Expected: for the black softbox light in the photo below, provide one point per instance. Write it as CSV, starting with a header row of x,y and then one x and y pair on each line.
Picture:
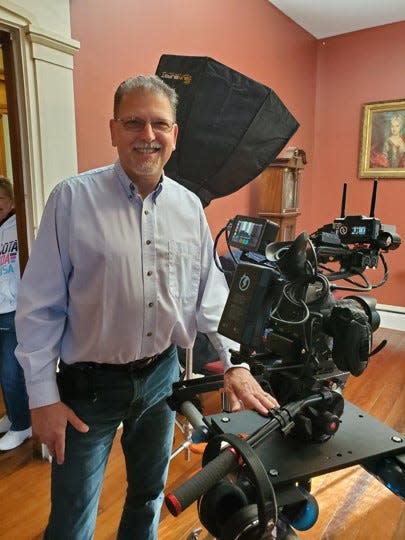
x,y
231,127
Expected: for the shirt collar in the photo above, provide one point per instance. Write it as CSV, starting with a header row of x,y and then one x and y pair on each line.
x,y
130,188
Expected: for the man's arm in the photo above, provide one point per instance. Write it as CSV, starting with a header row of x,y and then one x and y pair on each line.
x,y
42,304
40,320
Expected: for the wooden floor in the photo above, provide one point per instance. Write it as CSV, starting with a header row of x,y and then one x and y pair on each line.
x,y
353,505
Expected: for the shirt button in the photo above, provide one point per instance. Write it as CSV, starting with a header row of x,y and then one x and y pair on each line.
x,y
149,273
146,212
149,334
150,304
148,242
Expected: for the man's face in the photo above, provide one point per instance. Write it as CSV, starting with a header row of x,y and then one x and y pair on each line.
x,y
144,151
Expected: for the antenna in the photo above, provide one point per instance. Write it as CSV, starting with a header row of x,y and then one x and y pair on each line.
x,y
343,207
373,197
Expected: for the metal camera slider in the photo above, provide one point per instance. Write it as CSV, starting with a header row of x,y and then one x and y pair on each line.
x,y
360,440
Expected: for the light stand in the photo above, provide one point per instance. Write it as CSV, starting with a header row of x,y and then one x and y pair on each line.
x,y
186,427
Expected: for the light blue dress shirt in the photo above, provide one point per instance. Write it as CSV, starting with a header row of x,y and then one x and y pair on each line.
x,y
114,278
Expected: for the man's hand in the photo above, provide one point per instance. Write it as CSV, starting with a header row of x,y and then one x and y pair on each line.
x,y
243,391
49,423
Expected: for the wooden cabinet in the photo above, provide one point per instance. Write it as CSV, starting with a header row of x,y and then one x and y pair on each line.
x,y
279,192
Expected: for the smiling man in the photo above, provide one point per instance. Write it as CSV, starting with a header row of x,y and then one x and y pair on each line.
x,y
121,272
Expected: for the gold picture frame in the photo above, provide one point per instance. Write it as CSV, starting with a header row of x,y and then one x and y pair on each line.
x,y
382,152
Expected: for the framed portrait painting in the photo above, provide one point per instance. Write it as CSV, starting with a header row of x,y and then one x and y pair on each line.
x,y
382,152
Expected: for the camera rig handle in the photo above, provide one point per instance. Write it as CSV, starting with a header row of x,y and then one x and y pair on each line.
x,y
182,497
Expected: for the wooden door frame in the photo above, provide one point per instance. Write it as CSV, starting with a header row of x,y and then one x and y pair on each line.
x,y
16,147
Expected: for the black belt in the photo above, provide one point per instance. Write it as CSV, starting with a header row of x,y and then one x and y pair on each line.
x,y
129,367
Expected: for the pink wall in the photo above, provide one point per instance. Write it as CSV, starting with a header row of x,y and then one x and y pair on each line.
x,y
323,83
354,69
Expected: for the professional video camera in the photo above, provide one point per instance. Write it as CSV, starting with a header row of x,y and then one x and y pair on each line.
x,y
292,329
301,341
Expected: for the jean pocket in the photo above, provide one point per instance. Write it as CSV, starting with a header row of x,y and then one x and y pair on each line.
x,y
184,270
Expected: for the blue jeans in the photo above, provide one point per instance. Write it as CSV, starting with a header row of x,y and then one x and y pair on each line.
x,y
12,376
104,399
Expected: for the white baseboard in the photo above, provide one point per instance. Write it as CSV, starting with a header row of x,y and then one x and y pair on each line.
x,y
392,317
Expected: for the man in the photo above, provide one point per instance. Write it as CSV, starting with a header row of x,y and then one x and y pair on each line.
x,y
121,271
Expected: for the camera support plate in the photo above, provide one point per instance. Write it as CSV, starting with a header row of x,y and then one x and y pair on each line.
x,y
361,438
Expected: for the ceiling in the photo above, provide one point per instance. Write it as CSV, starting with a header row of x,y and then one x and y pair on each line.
x,y
326,18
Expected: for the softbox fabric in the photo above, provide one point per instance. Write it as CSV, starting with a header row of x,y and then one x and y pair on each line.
x,y
230,126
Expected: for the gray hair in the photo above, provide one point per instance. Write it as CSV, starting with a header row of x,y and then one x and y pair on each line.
x,y
149,83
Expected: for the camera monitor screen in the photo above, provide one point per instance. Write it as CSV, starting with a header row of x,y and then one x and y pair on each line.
x,y
246,233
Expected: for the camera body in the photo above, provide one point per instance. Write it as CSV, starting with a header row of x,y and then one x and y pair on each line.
x,y
301,340
296,333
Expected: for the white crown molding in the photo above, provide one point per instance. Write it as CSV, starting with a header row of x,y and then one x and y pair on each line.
x,y
53,41
15,15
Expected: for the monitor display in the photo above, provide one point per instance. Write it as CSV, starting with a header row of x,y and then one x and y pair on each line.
x,y
246,234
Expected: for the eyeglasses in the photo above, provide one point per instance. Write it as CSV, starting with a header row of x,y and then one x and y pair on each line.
x,y
136,124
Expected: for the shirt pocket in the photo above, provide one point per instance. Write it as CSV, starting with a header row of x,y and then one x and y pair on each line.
x,y
184,270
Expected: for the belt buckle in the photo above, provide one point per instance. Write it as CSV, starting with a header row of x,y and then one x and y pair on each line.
x,y
139,365
151,360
